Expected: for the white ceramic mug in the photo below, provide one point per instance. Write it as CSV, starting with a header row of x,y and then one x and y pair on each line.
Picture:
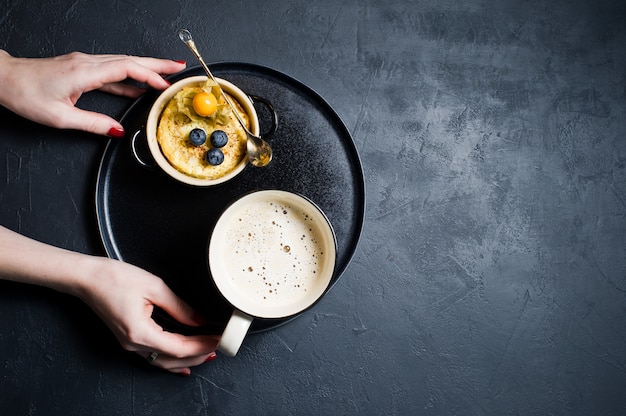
x,y
271,255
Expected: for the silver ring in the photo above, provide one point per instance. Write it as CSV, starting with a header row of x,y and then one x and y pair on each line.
x,y
153,356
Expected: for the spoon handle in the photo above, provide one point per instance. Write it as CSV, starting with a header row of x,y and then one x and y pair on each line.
x,y
187,39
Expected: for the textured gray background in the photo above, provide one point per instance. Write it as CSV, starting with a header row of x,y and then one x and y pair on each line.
x,y
491,274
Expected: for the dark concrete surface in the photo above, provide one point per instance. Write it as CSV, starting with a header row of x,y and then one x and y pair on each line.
x,y
491,275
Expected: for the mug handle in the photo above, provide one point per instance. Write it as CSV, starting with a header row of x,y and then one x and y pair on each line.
x,y
133,148
234,333
256,99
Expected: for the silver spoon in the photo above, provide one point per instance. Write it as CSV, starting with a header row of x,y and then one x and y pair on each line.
x,y
259,152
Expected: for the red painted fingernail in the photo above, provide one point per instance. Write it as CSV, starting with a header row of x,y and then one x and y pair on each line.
x,y
186,372
116,132
167,82
211,357
181,62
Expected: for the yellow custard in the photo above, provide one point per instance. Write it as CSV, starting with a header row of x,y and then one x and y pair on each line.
x,y
179,118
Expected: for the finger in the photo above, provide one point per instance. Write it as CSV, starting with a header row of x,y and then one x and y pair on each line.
x,y
182,371
186,371
174,364
89,121
147,72
178,345
177,308
158,65
124,90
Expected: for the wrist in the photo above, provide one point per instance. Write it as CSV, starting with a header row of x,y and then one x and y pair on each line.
x,y
6,65
84,274
5,58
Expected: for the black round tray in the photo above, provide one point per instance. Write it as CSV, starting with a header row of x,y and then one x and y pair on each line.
x,y
150,220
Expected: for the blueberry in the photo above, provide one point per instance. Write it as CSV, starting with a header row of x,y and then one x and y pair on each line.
x,y
219,138
197,137
214,156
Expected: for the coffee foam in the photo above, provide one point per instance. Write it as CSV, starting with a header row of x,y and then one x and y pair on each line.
x,y
274,253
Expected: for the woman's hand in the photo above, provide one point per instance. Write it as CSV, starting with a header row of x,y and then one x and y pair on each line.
x,y
124,296
45,90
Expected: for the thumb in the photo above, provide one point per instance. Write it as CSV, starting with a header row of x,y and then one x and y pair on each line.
x,y
90,121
